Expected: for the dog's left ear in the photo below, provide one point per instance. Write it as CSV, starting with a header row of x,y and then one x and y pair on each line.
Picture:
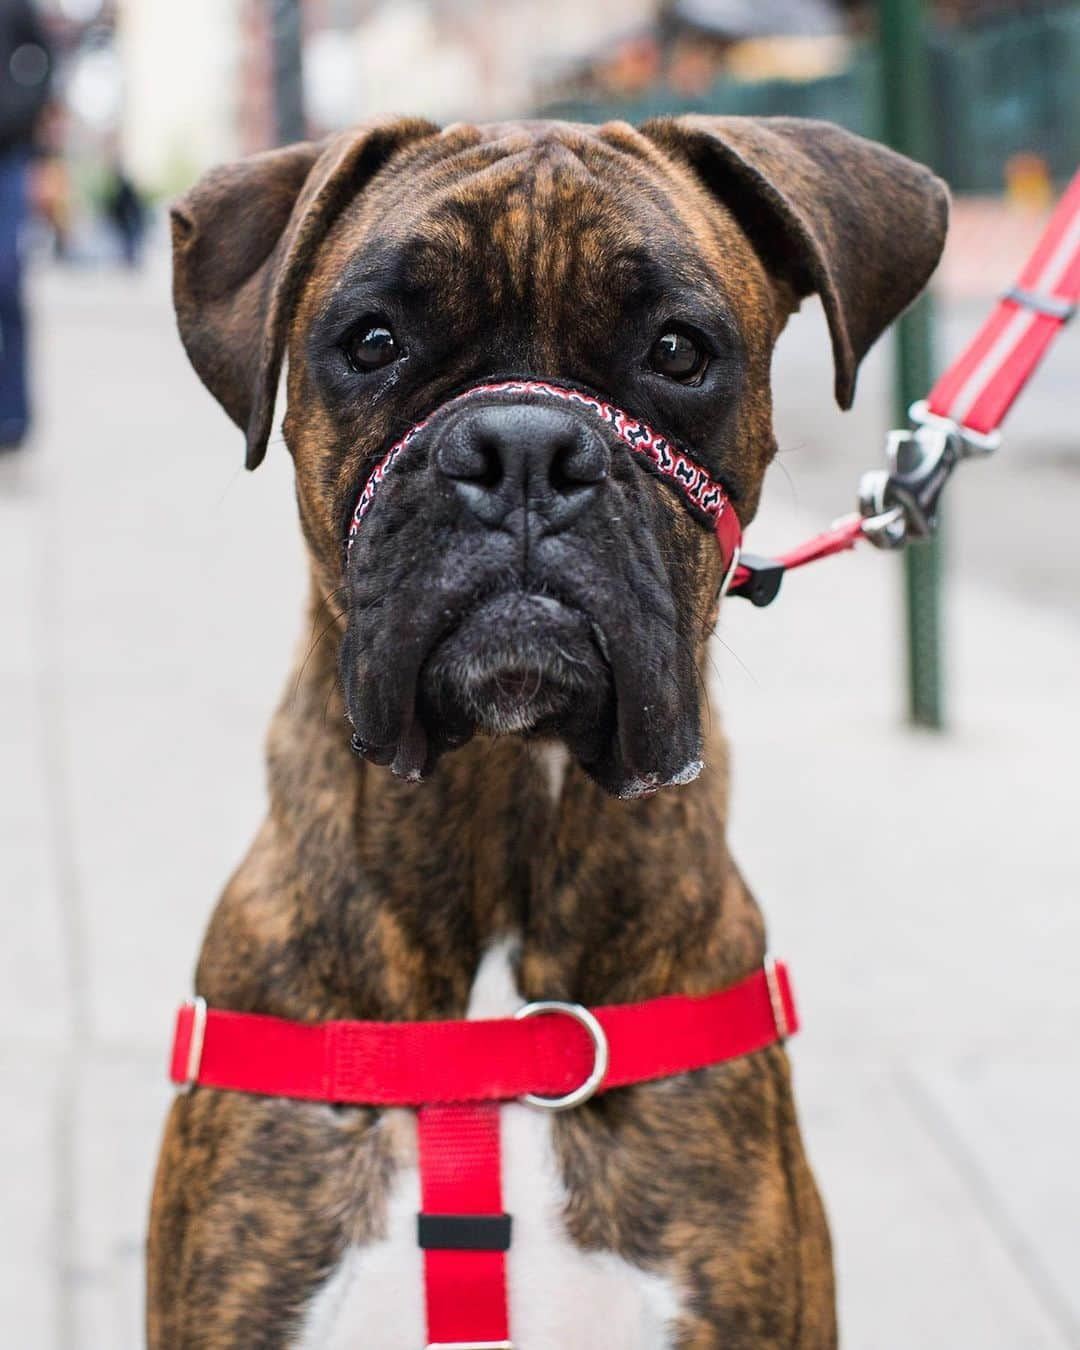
x,y
827,211
243,240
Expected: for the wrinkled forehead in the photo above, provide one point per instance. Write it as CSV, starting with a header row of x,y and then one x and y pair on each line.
x,y
538,224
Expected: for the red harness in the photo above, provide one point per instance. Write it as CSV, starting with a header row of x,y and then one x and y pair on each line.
x,y
552,1055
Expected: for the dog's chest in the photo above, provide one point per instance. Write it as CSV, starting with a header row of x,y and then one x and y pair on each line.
x,y
560,1296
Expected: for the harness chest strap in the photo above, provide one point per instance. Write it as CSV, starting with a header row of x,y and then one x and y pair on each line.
x,y
554,1055
462,1228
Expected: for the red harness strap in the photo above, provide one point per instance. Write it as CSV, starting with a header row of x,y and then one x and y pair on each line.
x,y
461,1180
552,1054
415,1063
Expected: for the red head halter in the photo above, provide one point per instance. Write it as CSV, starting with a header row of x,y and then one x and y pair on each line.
x,y
702,493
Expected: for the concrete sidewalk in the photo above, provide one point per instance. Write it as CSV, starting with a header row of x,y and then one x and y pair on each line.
x,y
926,889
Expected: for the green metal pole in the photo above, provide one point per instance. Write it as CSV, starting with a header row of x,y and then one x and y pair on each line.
x,y
287,56
907,124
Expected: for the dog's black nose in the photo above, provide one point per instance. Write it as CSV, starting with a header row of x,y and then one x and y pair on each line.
x,y
523,458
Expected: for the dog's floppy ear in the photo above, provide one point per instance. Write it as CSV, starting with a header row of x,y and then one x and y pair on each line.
x,y
243,240
827,211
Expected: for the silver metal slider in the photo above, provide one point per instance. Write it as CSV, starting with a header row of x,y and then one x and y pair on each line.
x,y
470,1345
195,1044
732,568
776,997
1055,306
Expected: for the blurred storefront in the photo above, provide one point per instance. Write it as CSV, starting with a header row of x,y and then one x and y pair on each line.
x,y
197,77
182,100
169,88
1005,76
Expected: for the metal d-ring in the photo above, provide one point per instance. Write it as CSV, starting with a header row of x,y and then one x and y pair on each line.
x,y
972,442
600,1054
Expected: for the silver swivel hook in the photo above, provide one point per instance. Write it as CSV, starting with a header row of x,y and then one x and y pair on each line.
x,y
900,503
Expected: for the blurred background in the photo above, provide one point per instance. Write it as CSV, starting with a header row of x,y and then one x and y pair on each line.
x,y
905,732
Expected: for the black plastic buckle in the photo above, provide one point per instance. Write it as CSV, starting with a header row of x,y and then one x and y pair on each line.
x,y
762,586
464,1232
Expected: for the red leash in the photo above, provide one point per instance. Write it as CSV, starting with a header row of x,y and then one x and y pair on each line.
x,y
554,1056
979,389
960,418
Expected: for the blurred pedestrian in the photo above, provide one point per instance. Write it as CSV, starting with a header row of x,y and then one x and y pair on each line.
x,y
25,70
50,188
125,212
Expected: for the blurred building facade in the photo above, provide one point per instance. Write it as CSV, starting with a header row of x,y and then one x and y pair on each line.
x,y
197,75
181,95
1004,77
179,86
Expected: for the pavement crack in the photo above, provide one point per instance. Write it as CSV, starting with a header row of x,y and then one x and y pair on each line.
x,y
56,742
984,1195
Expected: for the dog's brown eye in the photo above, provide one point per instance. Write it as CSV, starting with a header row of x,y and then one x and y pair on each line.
x,y
677,356
371,347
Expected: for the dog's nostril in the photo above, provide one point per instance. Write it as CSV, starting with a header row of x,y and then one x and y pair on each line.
x,y
471,460
490,467
577,462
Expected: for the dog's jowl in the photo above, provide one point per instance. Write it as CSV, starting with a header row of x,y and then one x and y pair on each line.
x,y
528,369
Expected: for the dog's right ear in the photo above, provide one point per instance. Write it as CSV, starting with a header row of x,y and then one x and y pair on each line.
x,y
243,241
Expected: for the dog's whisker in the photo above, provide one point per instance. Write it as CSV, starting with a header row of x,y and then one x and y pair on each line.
x,y
736,657
793,487
313,648
331,686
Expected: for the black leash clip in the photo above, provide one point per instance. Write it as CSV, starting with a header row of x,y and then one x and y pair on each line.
x,y
900,504
762,583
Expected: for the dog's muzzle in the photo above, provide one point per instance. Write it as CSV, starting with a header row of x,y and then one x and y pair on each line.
x,y
703,496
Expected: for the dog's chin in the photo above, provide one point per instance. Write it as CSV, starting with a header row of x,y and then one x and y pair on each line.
x,y
518,664
526,665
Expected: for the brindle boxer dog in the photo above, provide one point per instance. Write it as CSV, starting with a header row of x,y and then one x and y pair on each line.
x,y
518,642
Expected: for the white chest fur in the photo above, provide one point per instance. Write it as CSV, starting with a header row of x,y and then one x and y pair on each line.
x,y
561,1298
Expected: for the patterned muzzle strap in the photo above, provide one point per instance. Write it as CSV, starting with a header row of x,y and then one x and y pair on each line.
x,y
702,493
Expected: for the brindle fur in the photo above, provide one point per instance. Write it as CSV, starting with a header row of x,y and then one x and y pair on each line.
x,y
529,247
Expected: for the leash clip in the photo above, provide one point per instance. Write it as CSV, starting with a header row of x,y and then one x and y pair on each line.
x,y
900,503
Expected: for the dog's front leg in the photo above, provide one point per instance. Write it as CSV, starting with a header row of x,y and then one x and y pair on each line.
x,y
254,1202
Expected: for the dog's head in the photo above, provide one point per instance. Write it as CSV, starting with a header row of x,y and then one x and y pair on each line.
x,y
516,567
